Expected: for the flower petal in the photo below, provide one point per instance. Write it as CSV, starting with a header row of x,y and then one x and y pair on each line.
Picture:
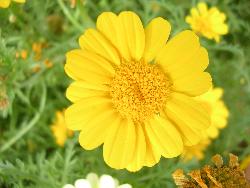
x,y
189,65
156,35
84,65
193,84
119,145
140,150
106,181
164,136
82,183
4,3
189,116
110,26
78,114
93,41
133,33
82,89
153,155
93,179
94,132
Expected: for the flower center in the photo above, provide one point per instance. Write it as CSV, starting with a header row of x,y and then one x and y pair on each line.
x,y
139,90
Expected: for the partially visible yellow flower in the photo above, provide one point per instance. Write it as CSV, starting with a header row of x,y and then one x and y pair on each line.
x,y
134,92
212,101
6,3
208,22
59,129
196,151
245,163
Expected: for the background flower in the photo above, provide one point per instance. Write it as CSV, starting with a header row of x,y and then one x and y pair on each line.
x,y
208,22
92,181
6,3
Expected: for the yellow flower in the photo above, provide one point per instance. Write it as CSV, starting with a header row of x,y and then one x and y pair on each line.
x,y
134,93
212,101
60,130
196,151
6,3
208,22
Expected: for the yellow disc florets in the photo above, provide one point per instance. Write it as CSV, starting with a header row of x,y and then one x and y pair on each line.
x,y
139,90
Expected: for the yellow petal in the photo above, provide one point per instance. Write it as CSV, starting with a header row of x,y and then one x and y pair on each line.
x,y
96,129
133,33
110,26
19,1
212,131
193,84
189,116
202,7
156,33
95,42
192,61
119,145
164,137
78,114
4,3
153,155
140,150
87,66
82,89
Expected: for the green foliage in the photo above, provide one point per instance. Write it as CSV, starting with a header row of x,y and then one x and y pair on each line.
x,y
29,156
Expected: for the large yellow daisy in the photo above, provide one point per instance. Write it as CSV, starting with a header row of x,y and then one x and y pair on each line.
x,y
208,22
6,3
134,93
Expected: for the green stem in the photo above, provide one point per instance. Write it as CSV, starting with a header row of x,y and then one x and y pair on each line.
x,y
28,127
69,16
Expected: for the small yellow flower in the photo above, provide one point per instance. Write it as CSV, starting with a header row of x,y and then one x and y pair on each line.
x,y
134,91
59,129
48,63
208,22
6,3
212,101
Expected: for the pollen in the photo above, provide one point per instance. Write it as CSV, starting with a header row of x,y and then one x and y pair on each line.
x,y
139,90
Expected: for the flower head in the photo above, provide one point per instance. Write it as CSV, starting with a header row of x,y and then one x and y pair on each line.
x,y
212,101
92,181
134,93
208,22
219,114
59,129
6,3
218,176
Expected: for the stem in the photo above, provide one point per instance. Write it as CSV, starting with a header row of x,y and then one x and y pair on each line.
x,y
33,121
69,16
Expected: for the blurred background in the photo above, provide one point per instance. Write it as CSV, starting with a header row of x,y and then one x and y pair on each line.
x,y
34,38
